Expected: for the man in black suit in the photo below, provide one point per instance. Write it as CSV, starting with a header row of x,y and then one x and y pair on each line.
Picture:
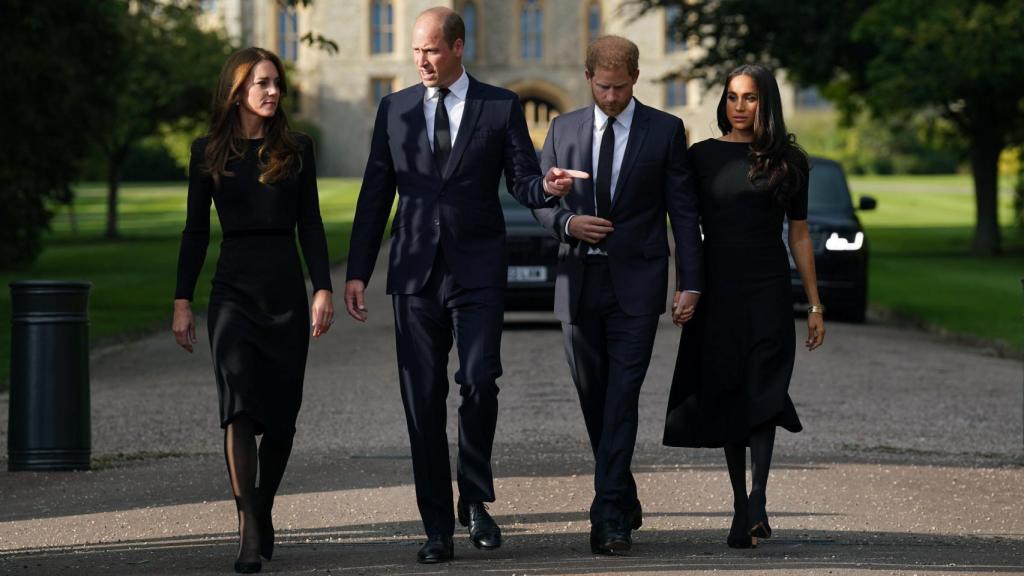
x,y
613,264
444,144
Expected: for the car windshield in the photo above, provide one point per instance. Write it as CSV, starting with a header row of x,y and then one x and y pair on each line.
x,y
827,191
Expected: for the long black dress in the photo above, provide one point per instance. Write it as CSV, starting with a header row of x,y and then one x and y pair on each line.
x,y
258,317
736,355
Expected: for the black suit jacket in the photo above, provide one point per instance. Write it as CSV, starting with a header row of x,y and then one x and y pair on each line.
x,y
458,210
654,180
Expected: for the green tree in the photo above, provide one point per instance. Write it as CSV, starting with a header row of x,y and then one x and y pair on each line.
x,y
959,58
167,72
56,62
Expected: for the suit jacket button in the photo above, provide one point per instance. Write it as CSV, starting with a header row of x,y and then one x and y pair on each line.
x,y
437,223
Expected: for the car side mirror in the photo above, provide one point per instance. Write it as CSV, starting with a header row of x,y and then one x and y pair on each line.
x,y
867,203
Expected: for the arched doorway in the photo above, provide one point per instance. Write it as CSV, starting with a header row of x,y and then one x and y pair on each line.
x,y
542,102
539,114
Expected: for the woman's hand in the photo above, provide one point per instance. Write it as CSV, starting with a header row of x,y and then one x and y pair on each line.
x,y
683,306
815,330
322,312
184,325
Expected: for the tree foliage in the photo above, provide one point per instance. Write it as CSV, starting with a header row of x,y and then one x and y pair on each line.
x,y
55,61
166,75
960,58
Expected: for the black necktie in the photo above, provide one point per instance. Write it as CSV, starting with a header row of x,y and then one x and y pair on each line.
x,y
442,132
604,170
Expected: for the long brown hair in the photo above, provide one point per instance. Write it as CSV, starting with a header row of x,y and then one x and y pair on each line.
x,y
777,161
279,155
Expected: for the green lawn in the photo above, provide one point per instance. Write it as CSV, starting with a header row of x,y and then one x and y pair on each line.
x,y
133,278
920,265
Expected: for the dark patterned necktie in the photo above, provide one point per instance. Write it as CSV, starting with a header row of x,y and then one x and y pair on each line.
x,y
442,132
604,170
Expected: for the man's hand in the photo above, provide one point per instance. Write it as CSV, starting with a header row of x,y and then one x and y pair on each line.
x,y
558,182
590,229
683,306
354,303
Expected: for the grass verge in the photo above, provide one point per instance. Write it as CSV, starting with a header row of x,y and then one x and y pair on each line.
x,y
133,277
921,269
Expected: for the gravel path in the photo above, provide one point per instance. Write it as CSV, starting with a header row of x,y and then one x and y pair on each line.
x,y
910,462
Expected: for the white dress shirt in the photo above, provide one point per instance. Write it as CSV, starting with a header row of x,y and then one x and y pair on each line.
x,y
454,103
622,124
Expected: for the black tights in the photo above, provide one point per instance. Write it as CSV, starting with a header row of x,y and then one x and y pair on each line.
x,y
244,462
762,441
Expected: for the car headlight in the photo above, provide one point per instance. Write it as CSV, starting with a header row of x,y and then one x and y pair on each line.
x,y
837,243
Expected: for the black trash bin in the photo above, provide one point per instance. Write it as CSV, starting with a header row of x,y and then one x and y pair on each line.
x,y
49,426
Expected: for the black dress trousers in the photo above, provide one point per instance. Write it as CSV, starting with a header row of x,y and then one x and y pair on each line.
x,y
609,352
426,323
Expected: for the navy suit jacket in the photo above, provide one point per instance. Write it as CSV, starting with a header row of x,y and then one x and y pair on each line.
x,y
654,180
458,210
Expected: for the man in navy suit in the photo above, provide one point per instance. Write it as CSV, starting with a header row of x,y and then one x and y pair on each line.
x,y
613,264
444,144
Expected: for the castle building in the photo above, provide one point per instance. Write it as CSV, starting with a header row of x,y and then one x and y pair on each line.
x,y
533,47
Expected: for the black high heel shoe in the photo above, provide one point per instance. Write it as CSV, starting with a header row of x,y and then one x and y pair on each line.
x,y
248,567
757,517
738,535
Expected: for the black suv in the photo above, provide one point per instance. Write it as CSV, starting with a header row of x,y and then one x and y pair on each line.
x,y
840,245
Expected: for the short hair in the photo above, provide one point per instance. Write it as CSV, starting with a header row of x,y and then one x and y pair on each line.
x,y
452,26
453,29
612,52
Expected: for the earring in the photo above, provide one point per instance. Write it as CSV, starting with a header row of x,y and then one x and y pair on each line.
x,y
237,103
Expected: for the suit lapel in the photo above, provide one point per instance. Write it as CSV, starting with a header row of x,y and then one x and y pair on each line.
x,y
637,133
586,140
470,113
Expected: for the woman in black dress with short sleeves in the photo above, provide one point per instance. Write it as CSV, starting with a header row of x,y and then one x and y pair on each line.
x,y
731,382
262,179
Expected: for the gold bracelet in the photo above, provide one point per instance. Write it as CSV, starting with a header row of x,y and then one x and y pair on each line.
x,y
816,309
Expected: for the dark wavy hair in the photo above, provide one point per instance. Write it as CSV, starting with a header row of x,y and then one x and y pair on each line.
x,y
777,161
279,156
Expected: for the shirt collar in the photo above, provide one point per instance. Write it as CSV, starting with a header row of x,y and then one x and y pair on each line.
x,y
624,119
459,88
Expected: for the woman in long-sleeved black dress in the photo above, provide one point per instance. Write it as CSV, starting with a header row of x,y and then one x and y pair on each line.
x,y
731,382
262,178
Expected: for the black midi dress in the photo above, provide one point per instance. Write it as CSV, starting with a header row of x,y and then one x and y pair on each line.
x,y
258,317
736,354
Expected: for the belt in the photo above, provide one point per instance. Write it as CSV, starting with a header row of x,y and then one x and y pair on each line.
x,y
258,232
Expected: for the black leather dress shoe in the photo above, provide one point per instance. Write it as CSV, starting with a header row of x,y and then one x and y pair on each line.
x,y
636,519
437,549
609,538
484,532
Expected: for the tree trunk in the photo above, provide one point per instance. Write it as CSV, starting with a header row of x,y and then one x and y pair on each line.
x,y
113,181
72,218
985,150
